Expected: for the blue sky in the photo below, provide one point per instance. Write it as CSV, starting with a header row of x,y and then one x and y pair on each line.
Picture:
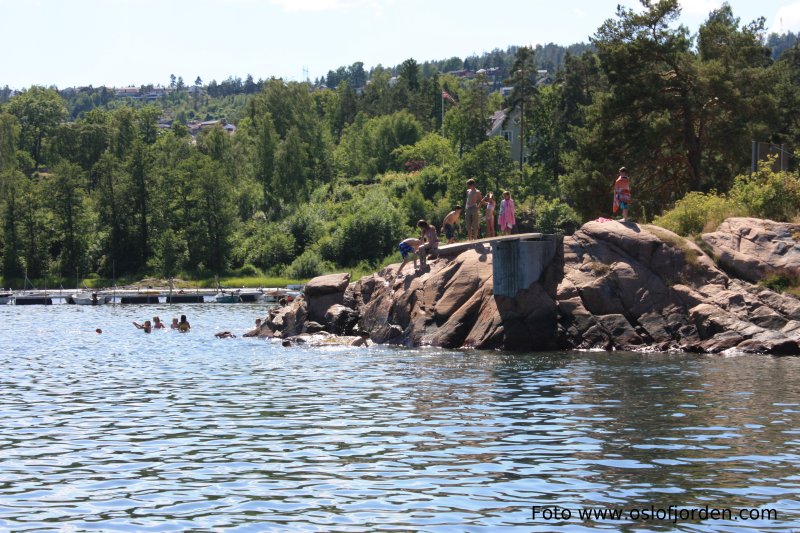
x,y
135,42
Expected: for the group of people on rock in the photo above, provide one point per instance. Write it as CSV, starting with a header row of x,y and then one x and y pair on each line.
x,y
427,244
182,326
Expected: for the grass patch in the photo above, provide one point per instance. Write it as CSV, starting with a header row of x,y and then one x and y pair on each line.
x,y
690,253
781,283
179,283
247,281
67,284
598,268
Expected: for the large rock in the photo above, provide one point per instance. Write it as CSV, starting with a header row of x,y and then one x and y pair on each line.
x,y
330,284
753,249
324,292
340,320
611,286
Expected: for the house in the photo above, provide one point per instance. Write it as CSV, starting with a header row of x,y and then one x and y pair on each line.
x,y
127,92
197,126
508,127
464,73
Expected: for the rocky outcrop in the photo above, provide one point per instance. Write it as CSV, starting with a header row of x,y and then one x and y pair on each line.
x,y
753,249
613,286
321,308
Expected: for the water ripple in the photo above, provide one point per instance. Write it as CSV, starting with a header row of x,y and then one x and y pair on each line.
x,y
169,432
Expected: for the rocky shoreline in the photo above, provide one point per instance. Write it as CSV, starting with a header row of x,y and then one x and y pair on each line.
x,y
611,286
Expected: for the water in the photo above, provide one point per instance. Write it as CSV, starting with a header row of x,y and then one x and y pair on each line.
x,y
169,432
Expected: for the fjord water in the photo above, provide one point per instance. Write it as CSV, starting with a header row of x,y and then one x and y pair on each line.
x,y
169,431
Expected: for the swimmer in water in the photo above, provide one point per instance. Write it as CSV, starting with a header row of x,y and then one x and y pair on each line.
x,y
147,327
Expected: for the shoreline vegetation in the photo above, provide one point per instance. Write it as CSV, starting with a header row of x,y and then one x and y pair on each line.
x,y
285,180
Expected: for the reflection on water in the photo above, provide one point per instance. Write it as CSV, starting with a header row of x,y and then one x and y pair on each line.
x,y
172,432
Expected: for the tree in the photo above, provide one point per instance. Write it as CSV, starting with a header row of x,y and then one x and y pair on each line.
x,y
680,118
66,194
523,90
266,142
139,169
432,149
467,123
9,136
409,73
787,72
346,108
12,183
289,179
38,111
356,75
249,85
211,215
489,163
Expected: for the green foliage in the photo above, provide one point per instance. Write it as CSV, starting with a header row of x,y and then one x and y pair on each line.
x,y
94,183
306,226
698,212
779,283
370,231
555,216
765,194
274,251
246,280
368,146
490,164
307,265
39,111
171,254
768,194
432,149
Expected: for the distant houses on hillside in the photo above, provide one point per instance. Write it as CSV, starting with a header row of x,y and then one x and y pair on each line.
x,y
136,93
197,126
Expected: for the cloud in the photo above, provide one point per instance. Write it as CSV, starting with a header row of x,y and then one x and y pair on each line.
x,y
699,7
331,5
787,19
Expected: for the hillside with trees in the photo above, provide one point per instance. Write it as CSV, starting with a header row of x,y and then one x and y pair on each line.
x,y
299,178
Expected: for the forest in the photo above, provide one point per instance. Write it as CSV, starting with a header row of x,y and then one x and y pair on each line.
x,y
332,173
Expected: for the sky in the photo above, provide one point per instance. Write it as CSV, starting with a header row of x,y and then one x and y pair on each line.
x,y
138,42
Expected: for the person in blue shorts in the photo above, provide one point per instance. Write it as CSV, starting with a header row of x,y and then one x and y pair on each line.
x,y
408,246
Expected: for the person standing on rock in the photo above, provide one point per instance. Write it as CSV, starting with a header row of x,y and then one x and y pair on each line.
x,y
506,220
622,193
430,237
449,224
472,215
490,204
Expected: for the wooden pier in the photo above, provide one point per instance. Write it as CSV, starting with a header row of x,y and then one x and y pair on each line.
x,y
141,296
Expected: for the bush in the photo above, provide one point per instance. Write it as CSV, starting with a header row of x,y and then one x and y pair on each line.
x,y
768,194
415,207
306,226
699,212
369,232
270,247
431,181
248,270
307,266
554,216
779,283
